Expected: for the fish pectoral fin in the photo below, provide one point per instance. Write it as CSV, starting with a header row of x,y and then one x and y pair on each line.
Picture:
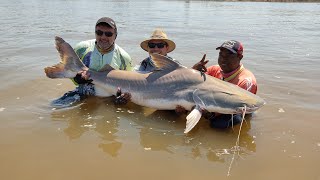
x,y
193,119
195,115
197,100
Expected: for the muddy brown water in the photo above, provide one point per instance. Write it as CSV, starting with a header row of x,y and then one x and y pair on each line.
x,y
98,140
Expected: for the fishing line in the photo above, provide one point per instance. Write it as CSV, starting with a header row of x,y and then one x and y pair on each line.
x,y
237,148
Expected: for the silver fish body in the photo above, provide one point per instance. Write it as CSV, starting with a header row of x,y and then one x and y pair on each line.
x,y
165,90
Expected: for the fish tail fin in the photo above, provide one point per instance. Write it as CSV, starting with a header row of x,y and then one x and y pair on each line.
x,y
70,63
193,119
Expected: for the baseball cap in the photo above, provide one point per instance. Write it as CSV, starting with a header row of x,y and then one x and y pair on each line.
x,y
234,46
107,20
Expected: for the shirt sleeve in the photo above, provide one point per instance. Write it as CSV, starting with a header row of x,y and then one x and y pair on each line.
x,y
80,49
128,61
213,71
142,66
126,58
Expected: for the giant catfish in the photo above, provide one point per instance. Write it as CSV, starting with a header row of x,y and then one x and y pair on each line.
x,y
165,88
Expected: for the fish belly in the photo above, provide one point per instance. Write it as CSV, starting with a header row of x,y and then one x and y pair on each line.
x,y
161,103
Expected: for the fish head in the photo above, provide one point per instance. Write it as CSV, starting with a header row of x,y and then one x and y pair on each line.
x,y
250,105
232,102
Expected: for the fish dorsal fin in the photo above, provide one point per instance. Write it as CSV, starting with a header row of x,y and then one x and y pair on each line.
x,y
106,67
163,62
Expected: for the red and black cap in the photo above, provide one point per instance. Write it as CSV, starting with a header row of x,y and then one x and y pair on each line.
x,y
235,47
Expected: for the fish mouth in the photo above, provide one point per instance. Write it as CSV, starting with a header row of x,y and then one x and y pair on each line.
x,y
249,109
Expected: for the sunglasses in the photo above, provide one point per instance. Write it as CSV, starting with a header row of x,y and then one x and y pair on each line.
x,y
100,33
159,45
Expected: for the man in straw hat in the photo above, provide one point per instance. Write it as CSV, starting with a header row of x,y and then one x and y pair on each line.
x,y
95,54
157,43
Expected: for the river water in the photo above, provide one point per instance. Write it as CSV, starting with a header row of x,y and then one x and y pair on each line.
x,y
97,140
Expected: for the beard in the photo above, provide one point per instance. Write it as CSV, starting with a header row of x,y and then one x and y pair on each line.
x,y
104,45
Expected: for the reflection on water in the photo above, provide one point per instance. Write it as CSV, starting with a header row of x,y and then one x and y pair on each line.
x,y
163,131
160,131
84,118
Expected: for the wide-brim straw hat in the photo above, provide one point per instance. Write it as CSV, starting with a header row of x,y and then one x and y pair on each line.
x,y
158,34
